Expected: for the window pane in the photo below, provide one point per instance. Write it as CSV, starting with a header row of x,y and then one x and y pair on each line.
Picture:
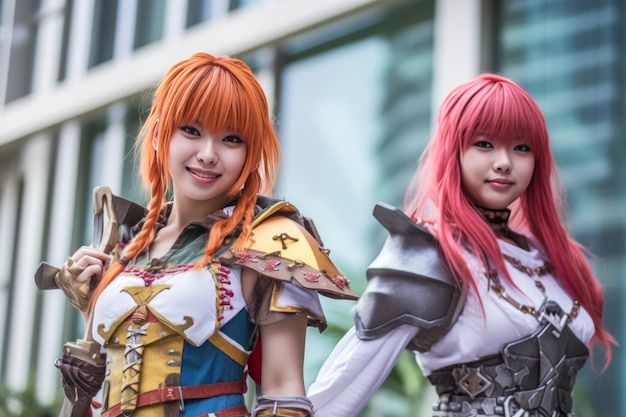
x,y
103,33
23,44
150,21
238,4
198,11
67,30
131,186
569,54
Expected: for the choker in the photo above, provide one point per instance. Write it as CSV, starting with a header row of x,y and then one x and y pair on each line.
x,y
498,220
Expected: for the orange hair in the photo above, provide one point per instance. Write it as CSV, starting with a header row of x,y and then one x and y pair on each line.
x,y
219,93
491,103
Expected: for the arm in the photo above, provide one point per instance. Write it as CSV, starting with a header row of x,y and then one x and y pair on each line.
x,y
282,382
281,389
335,392
283,356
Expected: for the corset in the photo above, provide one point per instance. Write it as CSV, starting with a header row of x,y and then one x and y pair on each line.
x,y
531,377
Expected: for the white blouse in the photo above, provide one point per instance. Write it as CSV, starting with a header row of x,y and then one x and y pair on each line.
x,y
356,368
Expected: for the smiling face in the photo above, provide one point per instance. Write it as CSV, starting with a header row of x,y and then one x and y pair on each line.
x,y
204,166
495,172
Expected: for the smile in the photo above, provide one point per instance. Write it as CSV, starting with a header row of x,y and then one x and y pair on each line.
x,y
202,174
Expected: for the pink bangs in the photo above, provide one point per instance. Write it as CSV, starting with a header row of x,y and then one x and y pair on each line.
x,y
504,111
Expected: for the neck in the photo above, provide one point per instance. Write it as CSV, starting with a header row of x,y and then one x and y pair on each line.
x,y
498,220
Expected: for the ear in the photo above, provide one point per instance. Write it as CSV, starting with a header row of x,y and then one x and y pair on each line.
x,y
155,141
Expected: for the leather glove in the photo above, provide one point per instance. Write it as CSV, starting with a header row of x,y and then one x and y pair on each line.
x,y
77,293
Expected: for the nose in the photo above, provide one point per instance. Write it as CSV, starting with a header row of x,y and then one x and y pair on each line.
x,y
502,162
207,152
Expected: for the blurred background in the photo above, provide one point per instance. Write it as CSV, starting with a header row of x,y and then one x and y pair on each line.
x,y
353,85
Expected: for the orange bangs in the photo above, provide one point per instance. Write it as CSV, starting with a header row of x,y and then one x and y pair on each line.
x,y
218,93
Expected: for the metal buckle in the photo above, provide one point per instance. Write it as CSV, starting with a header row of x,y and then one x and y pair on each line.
x,y
473,382
182,400
550,312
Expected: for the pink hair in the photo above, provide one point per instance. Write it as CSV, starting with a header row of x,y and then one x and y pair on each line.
x,y
491,103
219,93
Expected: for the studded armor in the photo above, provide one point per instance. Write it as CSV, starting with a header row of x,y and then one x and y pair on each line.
x,y
533,377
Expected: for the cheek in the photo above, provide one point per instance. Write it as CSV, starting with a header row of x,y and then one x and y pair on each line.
x,y
469,181
529,171
239,161
468,172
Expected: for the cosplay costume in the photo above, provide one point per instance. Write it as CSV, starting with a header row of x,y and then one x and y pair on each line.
x,y
178,339
513,352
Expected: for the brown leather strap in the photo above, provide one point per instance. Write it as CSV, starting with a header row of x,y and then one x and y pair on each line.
x,y
178,393
237,411
171,408
283,412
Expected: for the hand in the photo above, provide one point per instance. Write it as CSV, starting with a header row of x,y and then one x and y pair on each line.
x,y
80,274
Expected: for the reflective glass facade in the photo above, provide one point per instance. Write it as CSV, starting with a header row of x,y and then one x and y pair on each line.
x,y
570,55
354,116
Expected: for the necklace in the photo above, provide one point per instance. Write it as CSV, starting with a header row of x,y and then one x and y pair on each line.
x,y
546,268
539,314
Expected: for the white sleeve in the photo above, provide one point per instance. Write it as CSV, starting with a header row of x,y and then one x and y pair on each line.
x,y
355,370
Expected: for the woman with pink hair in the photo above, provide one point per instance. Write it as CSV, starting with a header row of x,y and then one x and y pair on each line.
x,y
478,276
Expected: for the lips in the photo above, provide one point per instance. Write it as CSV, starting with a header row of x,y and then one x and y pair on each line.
x,y
500,181
203,174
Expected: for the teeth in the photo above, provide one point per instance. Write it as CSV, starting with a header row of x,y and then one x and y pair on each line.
x,y
202,175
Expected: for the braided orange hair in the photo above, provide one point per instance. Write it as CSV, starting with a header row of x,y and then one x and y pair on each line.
x,y
219,93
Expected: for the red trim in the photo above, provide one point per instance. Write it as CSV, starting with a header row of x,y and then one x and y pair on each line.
x,y
255,361
173,393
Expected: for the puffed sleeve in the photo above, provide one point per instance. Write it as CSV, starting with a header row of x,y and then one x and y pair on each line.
x,y
335,393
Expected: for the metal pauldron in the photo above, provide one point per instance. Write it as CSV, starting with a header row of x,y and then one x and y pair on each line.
x,y
532,377
409,283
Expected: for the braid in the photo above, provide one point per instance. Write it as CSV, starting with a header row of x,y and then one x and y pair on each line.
x,y
243,215
138,244
246,206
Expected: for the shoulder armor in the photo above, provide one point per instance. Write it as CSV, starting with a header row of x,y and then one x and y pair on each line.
x,y
286,246
408,283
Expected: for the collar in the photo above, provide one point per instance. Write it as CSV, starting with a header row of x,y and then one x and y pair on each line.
x,y
498,220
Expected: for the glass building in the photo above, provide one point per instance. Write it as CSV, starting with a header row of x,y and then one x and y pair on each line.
x,y
353,86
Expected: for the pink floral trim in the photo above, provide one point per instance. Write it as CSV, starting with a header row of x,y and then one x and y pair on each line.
x,y
224,293
149,277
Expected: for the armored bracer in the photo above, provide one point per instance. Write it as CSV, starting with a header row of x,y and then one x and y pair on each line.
x,y
408,283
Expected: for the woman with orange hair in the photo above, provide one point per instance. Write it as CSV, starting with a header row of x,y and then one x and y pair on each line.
x,y
478,275
214,275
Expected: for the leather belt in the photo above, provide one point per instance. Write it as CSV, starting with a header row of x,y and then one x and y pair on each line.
x,y
237,411
178,393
